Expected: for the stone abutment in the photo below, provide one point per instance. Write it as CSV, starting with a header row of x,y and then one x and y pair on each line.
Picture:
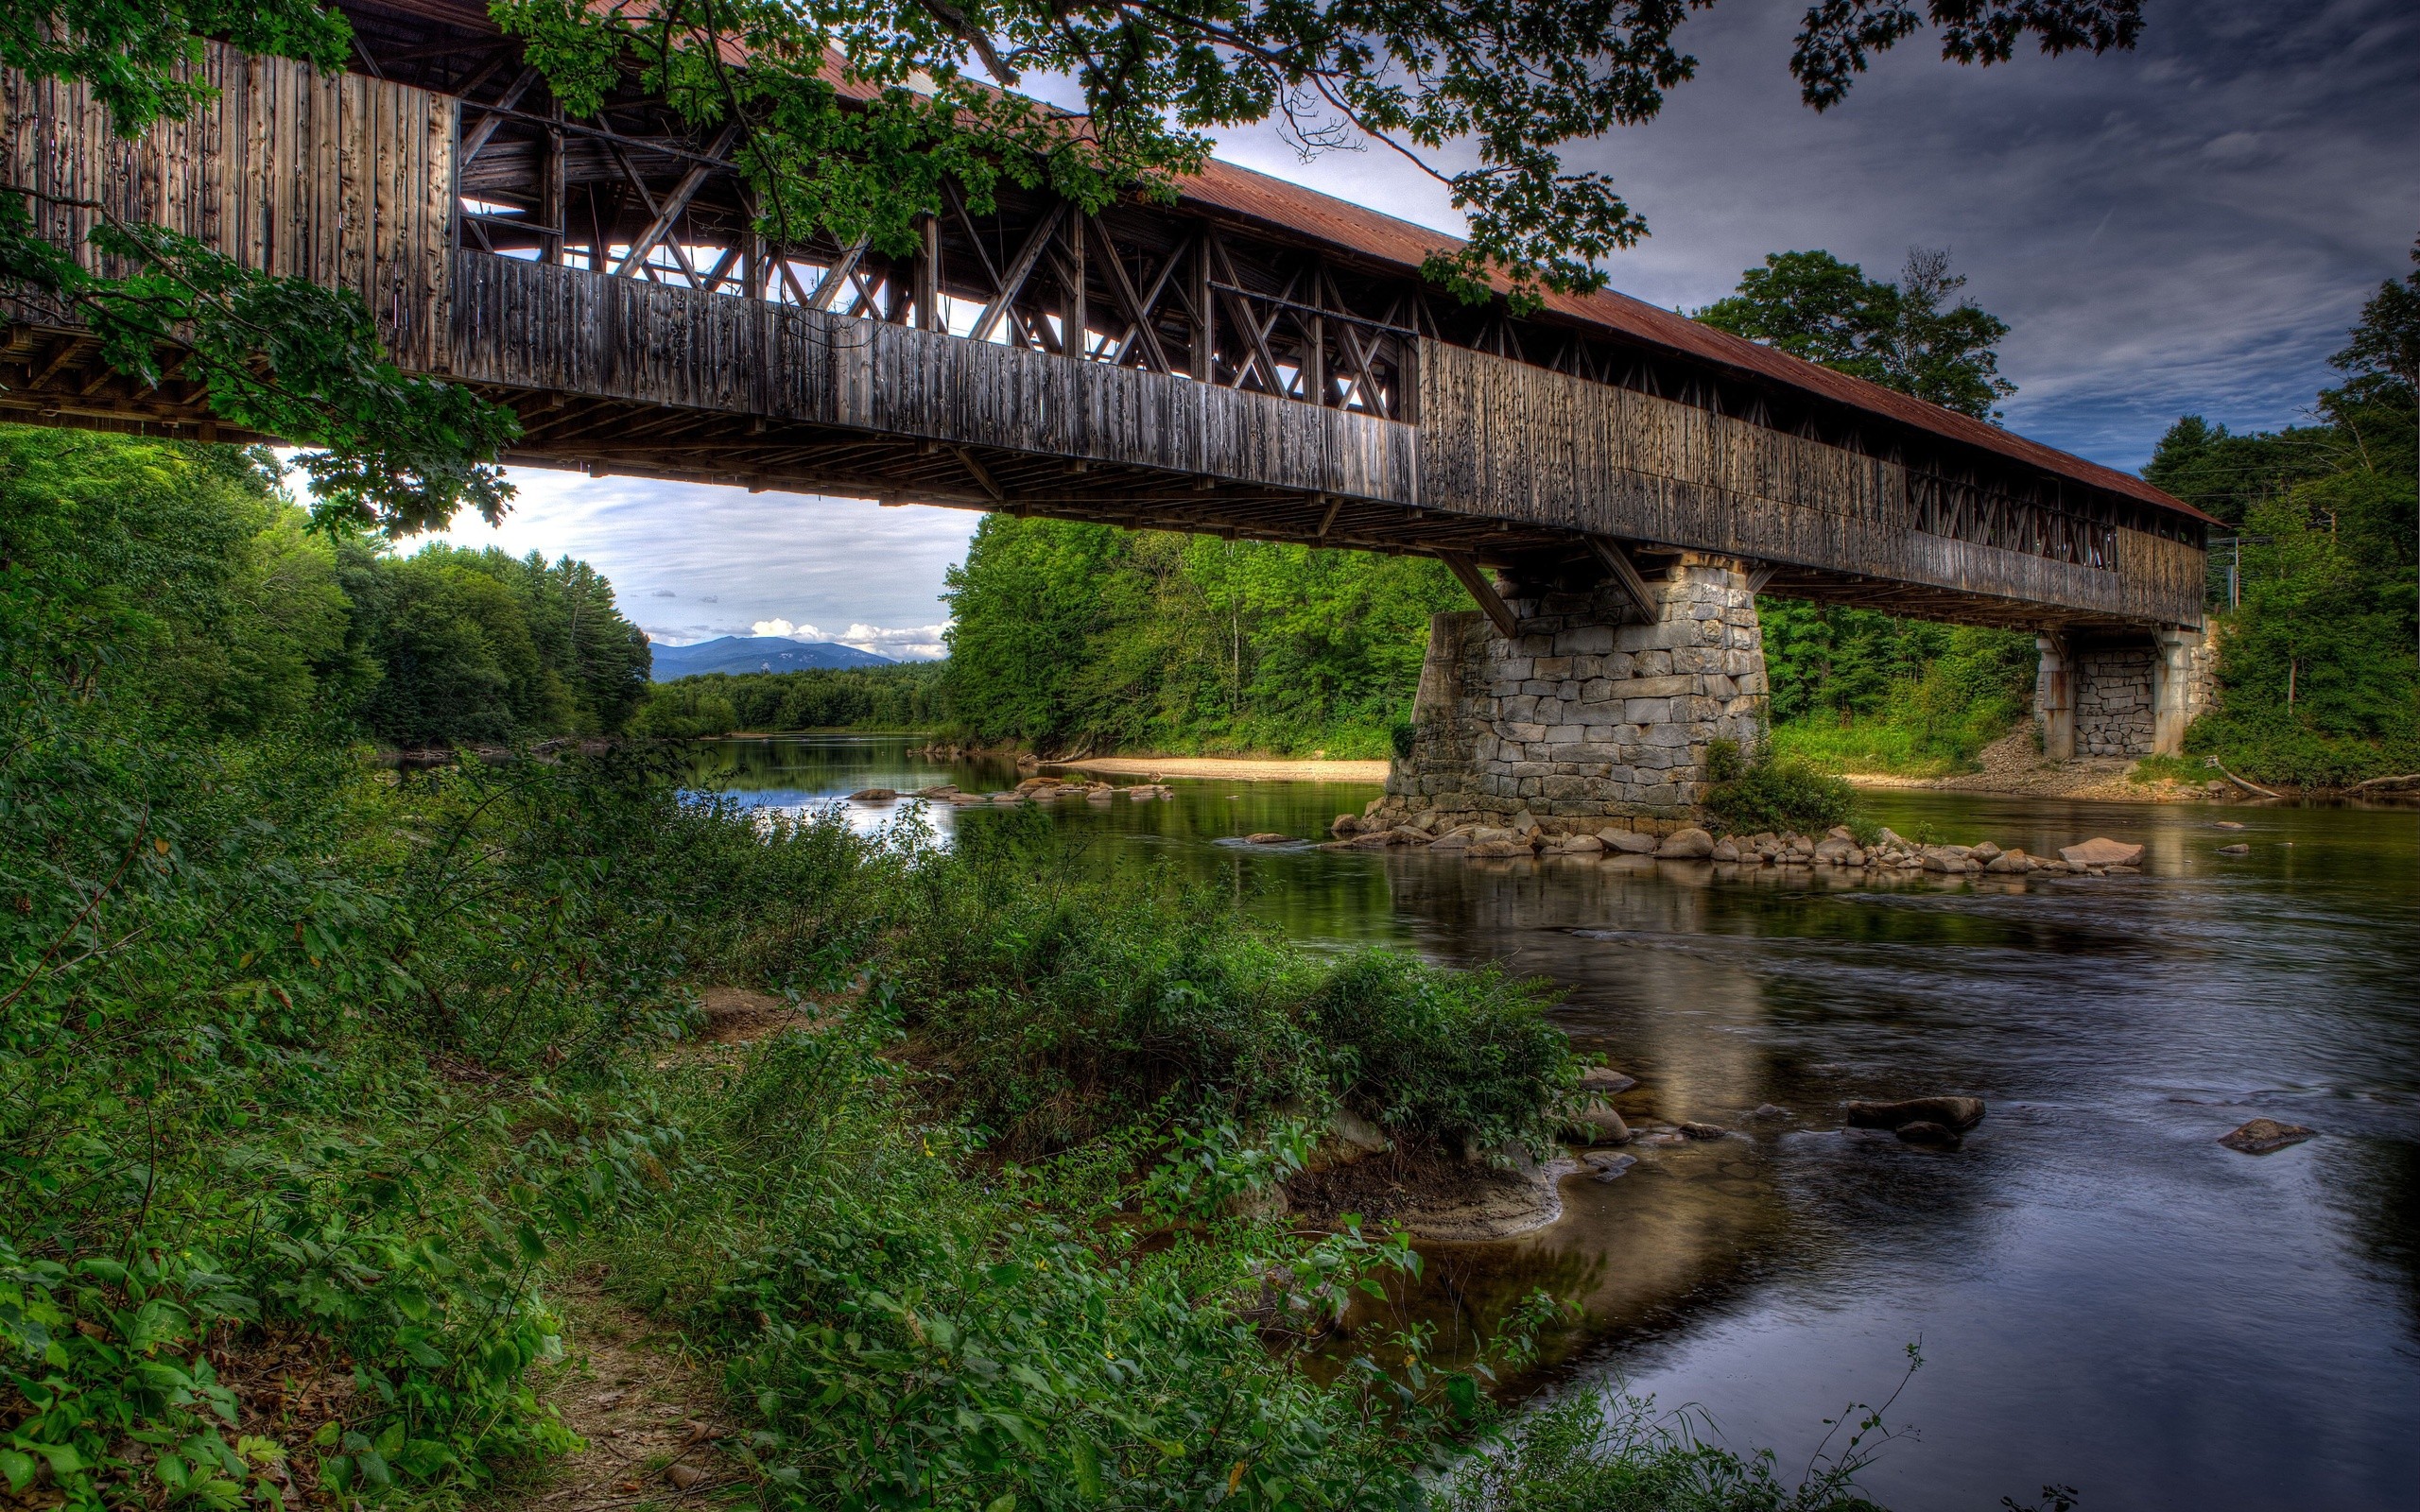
x,y
1594,716
2117,698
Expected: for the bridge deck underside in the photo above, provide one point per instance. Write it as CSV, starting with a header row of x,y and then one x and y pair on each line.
x,y
54,375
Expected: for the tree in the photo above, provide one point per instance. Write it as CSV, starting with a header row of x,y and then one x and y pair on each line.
x,y
930,96
2384,351
1815,306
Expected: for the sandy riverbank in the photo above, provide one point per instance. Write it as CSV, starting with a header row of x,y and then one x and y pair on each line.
x,y
2013,768
1230,769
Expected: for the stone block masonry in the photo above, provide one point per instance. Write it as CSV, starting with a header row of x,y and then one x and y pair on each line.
x,y
1592,714
2130,696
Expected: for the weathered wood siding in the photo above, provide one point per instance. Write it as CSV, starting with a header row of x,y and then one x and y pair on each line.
x,y
567,331
345,181
1506,438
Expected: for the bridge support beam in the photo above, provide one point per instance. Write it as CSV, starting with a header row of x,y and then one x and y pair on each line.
x,y
1591,715
2054,698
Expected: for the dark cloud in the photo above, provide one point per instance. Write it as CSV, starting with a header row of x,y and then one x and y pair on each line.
x,y
2187,228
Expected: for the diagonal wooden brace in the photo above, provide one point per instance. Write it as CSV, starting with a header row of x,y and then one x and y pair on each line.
x,y
1490,604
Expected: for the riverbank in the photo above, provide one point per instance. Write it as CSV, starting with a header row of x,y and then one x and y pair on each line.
x,y
1230,769
2011,767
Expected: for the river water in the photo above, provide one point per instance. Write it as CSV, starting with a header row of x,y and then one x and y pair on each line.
x,y
2101,1295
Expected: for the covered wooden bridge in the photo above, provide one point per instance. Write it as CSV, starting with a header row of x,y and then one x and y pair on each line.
x,y
1254,359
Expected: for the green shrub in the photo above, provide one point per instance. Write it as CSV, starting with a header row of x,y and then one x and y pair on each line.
x,y
1059,1006
1772,794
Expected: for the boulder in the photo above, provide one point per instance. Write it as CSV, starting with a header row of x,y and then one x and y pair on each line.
x,y
2263,1135
2102,851
1406,834
1345,824
2227,824
1609,1166
874,794
2008,861
1603,1081
1574,845
1703,1131
1496,849
1724,850
1525,823
1769,1110
1956,1114
1926,1132
1350,1128
1891,839
1269,838
1987,853
1485,832
1627,842
2238,849
1599,1124
1369,840
1691,844
1453,840
1833,851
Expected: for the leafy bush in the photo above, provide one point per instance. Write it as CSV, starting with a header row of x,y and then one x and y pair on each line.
x,y
1060,1006
1582,1454
1773,794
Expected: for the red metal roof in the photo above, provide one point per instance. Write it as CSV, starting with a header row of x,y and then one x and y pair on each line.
x,y
1231,190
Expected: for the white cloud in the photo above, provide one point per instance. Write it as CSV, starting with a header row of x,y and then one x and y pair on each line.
x,y
777,625
912,642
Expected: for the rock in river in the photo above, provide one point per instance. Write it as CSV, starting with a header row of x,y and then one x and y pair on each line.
x,y
872,795
1703,1131
2263,1135
1604,1081
1269,838
1688,845
1956,1114
1926,1132
2102,851
1597,1124
1608,1166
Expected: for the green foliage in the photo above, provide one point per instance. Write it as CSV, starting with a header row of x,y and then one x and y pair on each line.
x,y
1072,635
222,612
1749,795
1815,306
911,695
1058,1010
2318,684
1858,690
482,645
313,1080
1583,1454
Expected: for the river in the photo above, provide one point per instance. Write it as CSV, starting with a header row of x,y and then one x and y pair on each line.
x,y
2102,1294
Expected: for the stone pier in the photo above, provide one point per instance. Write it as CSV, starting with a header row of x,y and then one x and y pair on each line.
x,y
2127,696
1595,715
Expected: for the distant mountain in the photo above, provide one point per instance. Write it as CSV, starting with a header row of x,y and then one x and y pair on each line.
x,y
757,653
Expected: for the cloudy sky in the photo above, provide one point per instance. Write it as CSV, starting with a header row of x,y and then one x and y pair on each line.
x,y
2187,228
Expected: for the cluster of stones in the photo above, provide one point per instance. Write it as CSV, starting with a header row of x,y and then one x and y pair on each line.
x,y
1581,714
1839,848
1032,790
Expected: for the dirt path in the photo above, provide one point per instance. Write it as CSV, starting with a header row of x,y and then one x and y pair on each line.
x,y
648,1407
1234,768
